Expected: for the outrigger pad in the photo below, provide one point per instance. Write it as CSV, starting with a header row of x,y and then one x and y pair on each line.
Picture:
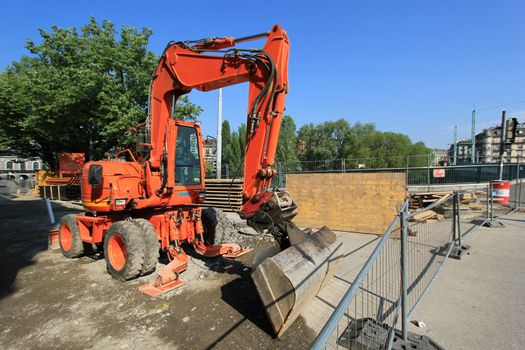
x,y
288,281
153,290
237,253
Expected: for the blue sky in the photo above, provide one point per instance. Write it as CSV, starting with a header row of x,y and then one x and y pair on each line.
x,y
415,67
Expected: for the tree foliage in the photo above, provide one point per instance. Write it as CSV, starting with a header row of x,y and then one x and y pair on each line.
x,y
287,144
233,147
324,141
234,144
359,144
79,91
326,144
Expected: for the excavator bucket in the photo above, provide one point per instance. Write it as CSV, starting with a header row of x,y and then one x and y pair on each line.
x,y
288,281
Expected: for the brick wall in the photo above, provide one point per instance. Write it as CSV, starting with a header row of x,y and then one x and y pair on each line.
x,y
358,202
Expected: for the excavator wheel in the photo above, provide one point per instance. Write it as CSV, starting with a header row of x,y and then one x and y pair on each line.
x,y
69,237
124,250
151,244
216,225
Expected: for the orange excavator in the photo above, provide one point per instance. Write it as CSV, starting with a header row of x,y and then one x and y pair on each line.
x,y
143,204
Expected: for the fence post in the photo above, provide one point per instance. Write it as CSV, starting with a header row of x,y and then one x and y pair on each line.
x,y
406,172
488,196
518,168
516,203
458,219
428,173
454,219
491,204
343,165
404,277
227,171
519,195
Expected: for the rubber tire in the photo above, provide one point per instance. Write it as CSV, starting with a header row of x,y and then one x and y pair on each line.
x,y
77,246
216,226
131,236
151,243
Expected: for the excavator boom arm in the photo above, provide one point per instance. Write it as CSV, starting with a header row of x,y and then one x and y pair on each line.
x,y
202,65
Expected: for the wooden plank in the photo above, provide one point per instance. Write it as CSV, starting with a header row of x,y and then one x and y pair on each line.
x,y
222,181
359,202
224,193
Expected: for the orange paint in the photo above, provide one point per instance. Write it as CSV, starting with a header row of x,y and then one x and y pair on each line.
x,y
116,252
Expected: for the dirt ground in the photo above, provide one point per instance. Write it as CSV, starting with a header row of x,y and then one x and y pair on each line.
x,y
50,302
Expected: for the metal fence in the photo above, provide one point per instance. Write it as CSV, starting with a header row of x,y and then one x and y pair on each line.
x,y
421,175
375,311
432,173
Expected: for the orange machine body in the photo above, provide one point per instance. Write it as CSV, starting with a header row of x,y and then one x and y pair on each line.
x,y
130,185
163,182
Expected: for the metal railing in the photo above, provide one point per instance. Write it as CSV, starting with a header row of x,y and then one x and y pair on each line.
x,y
374,311
415,176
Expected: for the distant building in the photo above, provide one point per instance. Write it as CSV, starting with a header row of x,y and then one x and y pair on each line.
x,y
440,157
210,150
463,152
14,166
488,146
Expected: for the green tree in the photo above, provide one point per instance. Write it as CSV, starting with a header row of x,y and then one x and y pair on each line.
x,y
186,110
358,144
227,155
233,147
78,91
324,141
420,155
287,144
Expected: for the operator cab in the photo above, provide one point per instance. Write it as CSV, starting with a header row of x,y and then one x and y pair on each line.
x,y
187,157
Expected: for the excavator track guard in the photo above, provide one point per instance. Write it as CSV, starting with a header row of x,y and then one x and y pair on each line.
x,y
290,280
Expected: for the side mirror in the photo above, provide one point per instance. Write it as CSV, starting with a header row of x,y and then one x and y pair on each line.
x,y
95,175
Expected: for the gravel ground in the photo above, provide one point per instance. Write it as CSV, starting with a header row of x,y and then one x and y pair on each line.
x,y
50,302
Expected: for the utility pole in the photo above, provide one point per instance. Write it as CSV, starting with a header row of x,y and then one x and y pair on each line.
x,y
473,138
455,144
219,134
502,143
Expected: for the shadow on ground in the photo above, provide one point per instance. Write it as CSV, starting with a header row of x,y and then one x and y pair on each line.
x,y
24,227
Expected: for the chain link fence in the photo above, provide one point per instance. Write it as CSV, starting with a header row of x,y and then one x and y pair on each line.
x,y
375,311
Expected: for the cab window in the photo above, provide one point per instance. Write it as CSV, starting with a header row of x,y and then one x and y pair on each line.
x,y
187,162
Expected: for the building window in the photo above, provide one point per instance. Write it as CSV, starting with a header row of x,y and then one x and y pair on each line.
x,y
23,166
36,166
9,165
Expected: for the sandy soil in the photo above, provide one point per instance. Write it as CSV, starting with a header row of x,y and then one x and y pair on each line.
x,y
50,302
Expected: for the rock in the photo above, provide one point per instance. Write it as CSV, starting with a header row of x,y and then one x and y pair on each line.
x,y
247,230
